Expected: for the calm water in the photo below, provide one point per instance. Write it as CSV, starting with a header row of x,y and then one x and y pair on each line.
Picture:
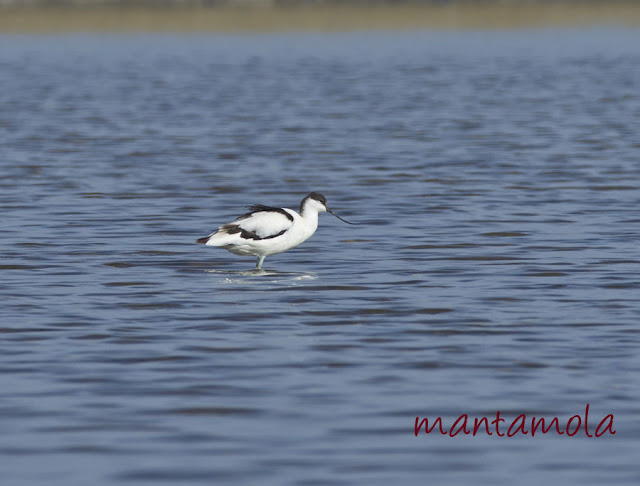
x,y
498,179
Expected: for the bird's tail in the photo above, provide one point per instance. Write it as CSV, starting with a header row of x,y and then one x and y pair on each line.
x,y
217,238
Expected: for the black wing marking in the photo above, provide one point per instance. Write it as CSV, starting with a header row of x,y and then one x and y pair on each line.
x,y
256,208
248,235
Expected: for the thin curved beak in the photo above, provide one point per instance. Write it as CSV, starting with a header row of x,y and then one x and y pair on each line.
x,y
331,212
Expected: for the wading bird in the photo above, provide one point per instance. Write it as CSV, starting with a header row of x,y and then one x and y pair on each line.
x,y
267,230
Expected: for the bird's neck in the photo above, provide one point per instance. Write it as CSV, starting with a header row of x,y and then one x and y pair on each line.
x,y
310,218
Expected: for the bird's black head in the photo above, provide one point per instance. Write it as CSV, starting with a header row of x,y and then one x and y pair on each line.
x,y
316,196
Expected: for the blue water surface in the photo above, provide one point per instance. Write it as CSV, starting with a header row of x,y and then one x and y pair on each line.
x,y
496,177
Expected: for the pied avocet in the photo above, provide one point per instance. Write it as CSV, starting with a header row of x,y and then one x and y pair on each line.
x,y
267,230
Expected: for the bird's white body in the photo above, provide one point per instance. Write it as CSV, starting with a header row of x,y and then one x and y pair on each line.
x,y
267,223
269,230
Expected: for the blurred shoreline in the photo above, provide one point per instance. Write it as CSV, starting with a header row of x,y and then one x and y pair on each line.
x,y
273,16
